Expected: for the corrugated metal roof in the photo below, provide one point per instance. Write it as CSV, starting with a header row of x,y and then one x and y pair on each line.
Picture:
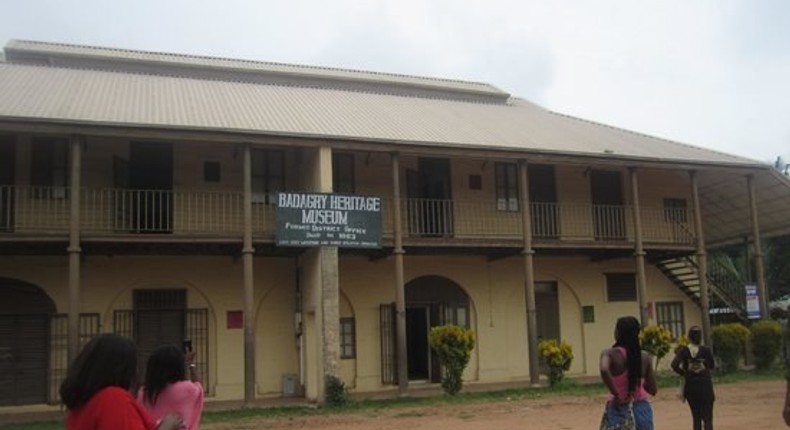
x,y
140,100
59,54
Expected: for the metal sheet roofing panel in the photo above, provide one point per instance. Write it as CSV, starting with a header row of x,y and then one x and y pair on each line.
x,y
140,100
52,51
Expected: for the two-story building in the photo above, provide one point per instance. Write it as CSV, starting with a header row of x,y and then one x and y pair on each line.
x,y
138,196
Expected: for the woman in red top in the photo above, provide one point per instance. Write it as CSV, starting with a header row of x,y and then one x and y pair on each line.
x,y
97,389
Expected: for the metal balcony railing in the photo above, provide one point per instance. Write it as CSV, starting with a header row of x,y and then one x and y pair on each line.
x,y
220,213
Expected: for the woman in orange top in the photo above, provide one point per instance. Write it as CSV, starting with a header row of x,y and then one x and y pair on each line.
x,y
97,389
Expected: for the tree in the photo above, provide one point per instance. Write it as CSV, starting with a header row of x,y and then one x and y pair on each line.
x,y
781,166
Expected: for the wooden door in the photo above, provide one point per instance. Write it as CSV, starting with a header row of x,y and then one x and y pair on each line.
x,y
607,205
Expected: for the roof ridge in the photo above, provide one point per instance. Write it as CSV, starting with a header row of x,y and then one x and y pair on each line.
x,y
22,42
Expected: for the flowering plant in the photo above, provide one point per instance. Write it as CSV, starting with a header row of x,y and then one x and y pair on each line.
x,y
557,355
453,345
656,340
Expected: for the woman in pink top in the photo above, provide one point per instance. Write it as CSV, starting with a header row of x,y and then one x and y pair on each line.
x,y
627,372
168,391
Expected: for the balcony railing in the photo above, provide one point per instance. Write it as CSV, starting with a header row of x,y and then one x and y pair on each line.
x,y
220,213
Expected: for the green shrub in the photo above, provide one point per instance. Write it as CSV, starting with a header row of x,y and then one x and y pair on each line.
x,y
558,355
656,340
453,345
336,392
766,343
729,344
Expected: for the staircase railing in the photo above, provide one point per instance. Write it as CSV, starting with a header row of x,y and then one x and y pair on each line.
x,y
727,285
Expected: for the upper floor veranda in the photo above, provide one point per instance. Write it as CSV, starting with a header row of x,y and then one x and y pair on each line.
x,y
171,190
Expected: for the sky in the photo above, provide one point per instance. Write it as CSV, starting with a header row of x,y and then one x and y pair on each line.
x,y
711,73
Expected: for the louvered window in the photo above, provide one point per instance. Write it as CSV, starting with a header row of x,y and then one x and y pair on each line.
x,y
620,287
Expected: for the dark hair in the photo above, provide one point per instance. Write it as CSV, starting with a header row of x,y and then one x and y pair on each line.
x,y
627,336
695,335
165,366
107,360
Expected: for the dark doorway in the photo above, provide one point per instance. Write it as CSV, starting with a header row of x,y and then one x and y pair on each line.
x,y
431,301
149,179
547,313
7,173
607,201
548,310
543,201
25,319
417,349
430,198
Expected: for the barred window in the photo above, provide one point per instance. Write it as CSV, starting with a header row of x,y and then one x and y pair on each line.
x,y
669,315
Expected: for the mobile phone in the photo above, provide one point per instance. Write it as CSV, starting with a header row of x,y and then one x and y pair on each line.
x,y
187,345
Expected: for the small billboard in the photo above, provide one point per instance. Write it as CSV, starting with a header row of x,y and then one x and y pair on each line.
x,y
320,219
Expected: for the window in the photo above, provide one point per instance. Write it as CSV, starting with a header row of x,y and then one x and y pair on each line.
x,y
343,173
669,315
268,175
49,168
455,314
506,187
588,314
211,171
675,210
620,287
348,344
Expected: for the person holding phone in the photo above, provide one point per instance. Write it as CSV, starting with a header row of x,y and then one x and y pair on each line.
x,y
167,390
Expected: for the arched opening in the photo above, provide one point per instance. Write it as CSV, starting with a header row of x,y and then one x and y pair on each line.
x,y
431,301
25,322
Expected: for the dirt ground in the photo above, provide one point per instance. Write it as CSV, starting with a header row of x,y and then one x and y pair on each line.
x,y
748,405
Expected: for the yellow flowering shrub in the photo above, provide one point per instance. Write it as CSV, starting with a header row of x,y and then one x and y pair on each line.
x,y
558,356
453,345
656,340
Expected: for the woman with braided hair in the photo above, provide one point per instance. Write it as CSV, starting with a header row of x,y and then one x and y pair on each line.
x,y
627,372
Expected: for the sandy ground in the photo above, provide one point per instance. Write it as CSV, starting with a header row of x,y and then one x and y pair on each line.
x,y
749,405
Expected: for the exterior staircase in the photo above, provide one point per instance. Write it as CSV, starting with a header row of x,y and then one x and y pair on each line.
x,y
727,296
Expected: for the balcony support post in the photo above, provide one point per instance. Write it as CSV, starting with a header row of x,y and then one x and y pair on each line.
x,y
247,253
74,250
400,293
639,251
762,291
529,273
702,260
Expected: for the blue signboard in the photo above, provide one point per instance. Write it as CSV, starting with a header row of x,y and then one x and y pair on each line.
x,y
318,219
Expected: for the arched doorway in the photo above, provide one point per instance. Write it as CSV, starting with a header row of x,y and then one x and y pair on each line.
x,y
431,301
25,323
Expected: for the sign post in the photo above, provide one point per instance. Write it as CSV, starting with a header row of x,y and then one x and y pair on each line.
x,y
319,219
